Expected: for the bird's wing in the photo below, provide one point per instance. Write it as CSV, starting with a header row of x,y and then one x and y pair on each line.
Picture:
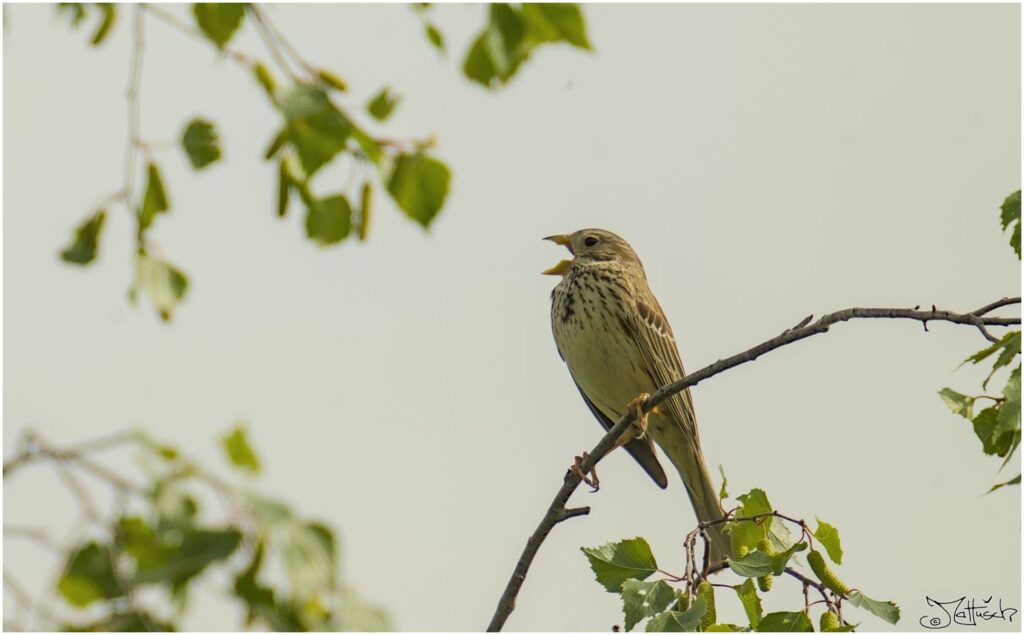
x,y
657,345
640,450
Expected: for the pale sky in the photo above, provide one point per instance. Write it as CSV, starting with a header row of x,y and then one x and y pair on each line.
x,y
766,162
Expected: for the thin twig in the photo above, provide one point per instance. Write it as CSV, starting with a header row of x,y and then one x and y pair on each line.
x,y
810,583
278,37
134,83
271,43
172,20
38,536
553,515
998,304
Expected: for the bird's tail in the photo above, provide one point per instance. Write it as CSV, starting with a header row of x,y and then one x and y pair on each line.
x,y
689,462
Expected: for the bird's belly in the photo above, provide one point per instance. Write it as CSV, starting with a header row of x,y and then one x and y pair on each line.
x,y
606,365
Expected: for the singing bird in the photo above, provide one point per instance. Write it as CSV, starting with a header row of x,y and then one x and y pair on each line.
x,y
618,345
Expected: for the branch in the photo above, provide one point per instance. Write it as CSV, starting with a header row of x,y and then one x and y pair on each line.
x,y
998,304
134,82
556,510
172,20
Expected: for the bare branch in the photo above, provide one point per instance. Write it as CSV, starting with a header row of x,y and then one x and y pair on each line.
x,y
998,304
556,510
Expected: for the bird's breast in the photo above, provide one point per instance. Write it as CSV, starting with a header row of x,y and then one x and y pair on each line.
x,y
589,322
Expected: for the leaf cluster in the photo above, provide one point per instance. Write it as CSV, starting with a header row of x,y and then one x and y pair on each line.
x,y
150,558
316,132
513,32
994,419
763,547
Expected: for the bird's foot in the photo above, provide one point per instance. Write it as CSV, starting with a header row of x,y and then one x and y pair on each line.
x,y
591,479
637,405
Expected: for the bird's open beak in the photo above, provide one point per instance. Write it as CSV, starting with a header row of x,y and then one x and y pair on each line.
x,y
564,265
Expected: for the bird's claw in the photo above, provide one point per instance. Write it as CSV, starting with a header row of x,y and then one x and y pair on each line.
x,y
641,417
591,479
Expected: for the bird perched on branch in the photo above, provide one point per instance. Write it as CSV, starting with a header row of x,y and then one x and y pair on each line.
x,y
619,348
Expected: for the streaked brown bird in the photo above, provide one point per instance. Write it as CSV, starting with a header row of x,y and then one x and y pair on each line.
x,y
619,348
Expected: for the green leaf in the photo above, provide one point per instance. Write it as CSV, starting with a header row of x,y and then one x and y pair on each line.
x,y
316,128
960,404
641,600
1013,481
154,201
329,221
678,621
845,628
310,557
828,536
109,12
419,184
758,563
199,548
478,65
164,284
786,622
267,511
511,35
139,540
499,49
239,452
747,534
750,600
616,562
723,493
276,144
219,20
434,37
1011,214
383,104
368,144
984,427
331,80
1009,347
82,249
885,610
173,506
1008,418
1010,344
1010,209
89,576
200,143
555,22
260,600
265,79
280,615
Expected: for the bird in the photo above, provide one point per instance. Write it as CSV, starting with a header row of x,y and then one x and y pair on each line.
x,y
617,343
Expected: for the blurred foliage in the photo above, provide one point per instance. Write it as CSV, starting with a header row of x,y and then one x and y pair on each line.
x,y
997,425
514,32
138,567
316,131
763,548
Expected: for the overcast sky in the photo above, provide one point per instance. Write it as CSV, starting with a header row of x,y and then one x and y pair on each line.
x,y
766,162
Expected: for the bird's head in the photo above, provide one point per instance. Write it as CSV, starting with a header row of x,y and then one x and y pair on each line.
x,y
592,247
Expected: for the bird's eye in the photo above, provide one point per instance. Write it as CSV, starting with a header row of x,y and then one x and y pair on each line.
x,y
590,241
